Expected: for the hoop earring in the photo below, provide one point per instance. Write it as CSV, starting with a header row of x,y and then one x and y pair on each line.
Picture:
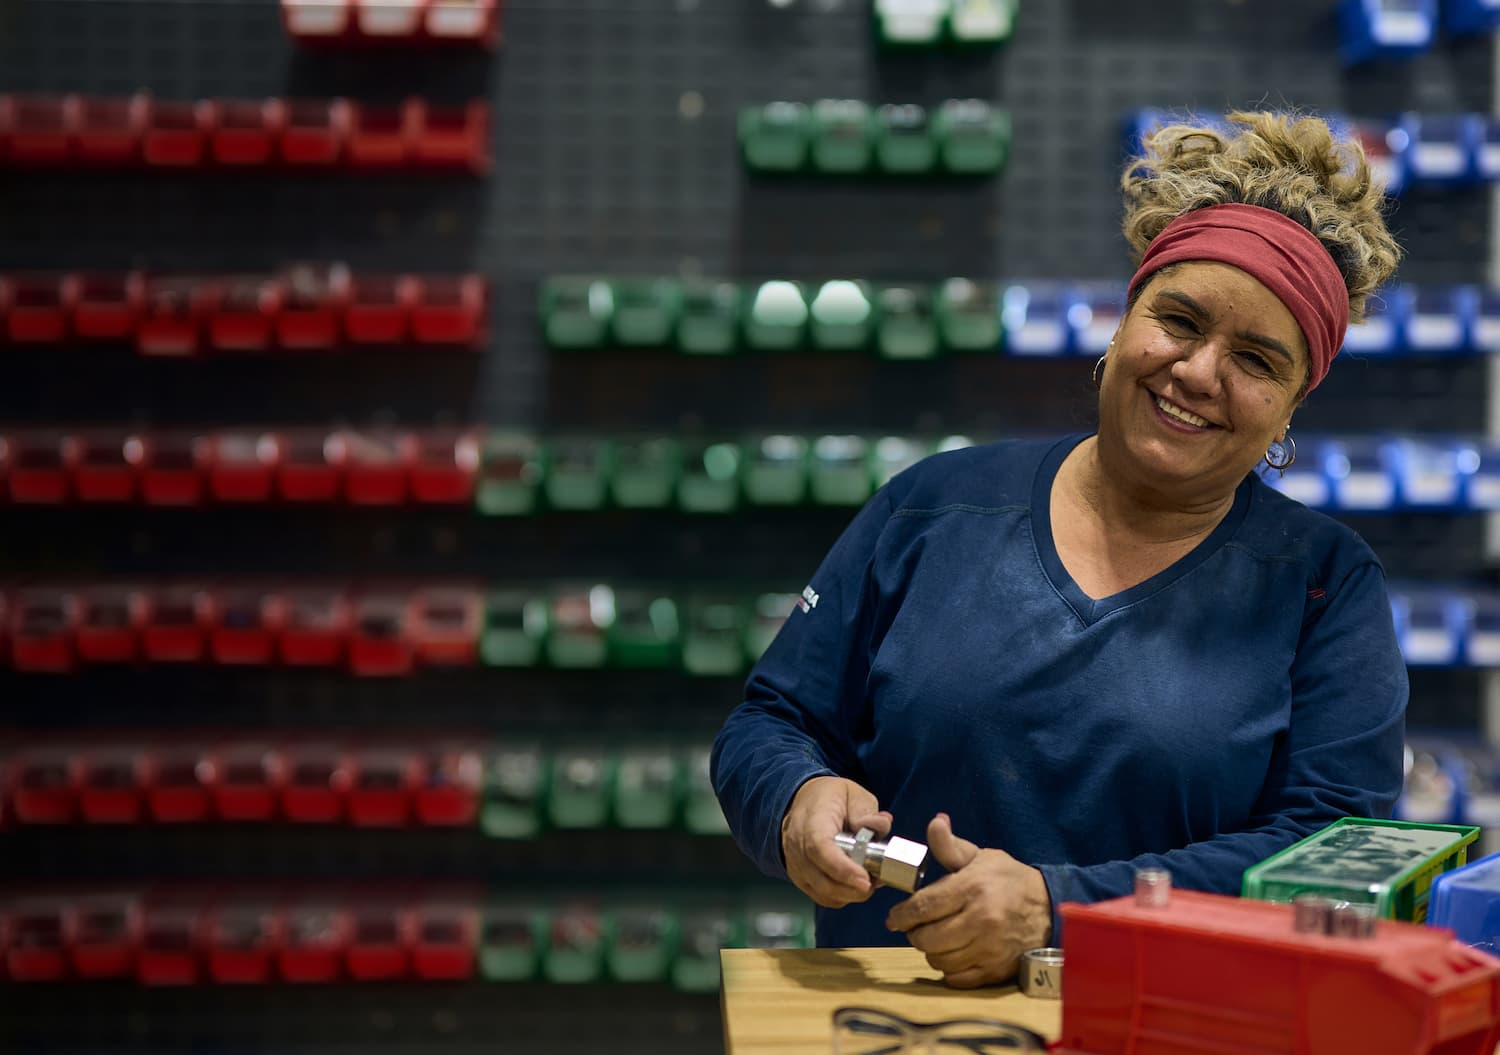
x,y
1099,366
1282,453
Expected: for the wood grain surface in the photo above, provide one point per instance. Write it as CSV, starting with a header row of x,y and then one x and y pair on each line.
x,y
782,1000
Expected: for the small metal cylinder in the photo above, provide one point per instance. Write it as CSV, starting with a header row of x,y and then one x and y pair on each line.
x,y
1311,913
1352,920
1153,887
1041,973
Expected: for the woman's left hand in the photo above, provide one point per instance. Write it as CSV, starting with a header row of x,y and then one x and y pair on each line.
x,y
975,922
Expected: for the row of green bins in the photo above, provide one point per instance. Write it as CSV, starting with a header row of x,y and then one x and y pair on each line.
x,y
704,317
573,627
529,788
849,137
931,23
631,939
521,473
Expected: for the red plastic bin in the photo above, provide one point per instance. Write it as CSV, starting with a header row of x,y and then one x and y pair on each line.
x,y
172,317
245,781
317,19
36,307
383,784
34,129
379,136
176,133
37,950
316,937
107,306
450,311
243,465
312,310
242,312
247,131
444,466
103,933
446,939
314,132
43,630
177,625
246,622
107,131
446,622
378,465
311,467
450,136
169,948
37,469
1213,973
449,796
317,783
175,466
111,785
111,619
316,626
42,786
242,940
380,642
379,308
177,779
380,940
105,465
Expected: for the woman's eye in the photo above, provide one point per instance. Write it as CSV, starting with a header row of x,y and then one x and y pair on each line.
x,y
1256,362
1180,322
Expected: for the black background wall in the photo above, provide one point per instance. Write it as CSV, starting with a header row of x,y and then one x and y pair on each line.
x,y
604,164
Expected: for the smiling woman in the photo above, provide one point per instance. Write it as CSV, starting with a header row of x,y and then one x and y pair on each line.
x,y
1111,652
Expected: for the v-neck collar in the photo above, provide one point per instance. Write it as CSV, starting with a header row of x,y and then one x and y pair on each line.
x,y
1087,608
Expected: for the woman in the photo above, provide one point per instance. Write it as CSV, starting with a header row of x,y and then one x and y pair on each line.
x,y
1112,651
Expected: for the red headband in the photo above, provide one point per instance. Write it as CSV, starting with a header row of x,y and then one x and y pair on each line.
x,y
1283,255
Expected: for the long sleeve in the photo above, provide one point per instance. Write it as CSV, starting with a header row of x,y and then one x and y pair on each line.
x,y
1340,755
804,699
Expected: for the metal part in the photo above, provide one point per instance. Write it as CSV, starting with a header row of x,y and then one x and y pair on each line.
x,y
1317,914
897,862
1041,973
1153,887
1311,913
1352,920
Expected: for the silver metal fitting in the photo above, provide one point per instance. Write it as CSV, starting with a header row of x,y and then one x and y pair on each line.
x,y
1041,973
1352,920
1312,913
1316,914
897,862
1153,887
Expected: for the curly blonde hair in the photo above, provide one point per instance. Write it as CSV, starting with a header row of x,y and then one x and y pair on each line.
x,y
1286,162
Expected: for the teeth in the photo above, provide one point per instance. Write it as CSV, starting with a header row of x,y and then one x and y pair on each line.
x,y
1181,415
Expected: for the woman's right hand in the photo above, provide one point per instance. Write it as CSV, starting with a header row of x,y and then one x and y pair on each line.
x,y
823,807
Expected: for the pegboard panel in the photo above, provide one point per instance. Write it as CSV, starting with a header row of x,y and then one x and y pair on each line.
x,y
457,1019
615,150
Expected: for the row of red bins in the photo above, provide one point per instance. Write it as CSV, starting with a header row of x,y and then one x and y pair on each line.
x,y
394,21
373,631
303,309
381,784
142,130
243,934
190,468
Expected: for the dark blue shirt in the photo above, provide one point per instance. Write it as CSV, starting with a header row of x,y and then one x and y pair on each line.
x,y
1200,721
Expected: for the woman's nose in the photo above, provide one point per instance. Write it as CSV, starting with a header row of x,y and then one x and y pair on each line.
x,y
1198,370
